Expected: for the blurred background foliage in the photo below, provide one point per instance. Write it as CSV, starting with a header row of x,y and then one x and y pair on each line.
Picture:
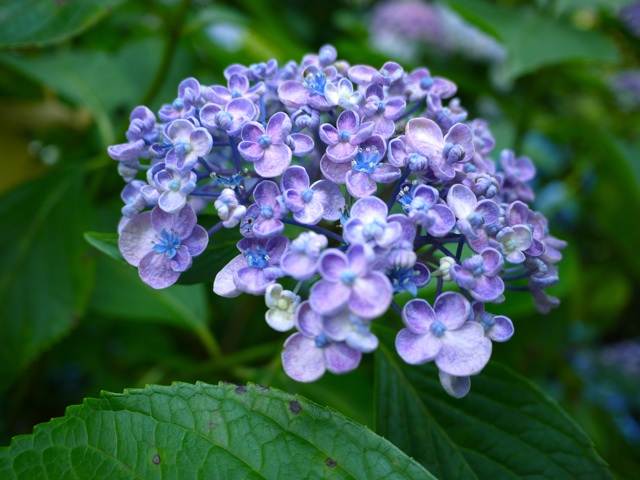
x,y
558,80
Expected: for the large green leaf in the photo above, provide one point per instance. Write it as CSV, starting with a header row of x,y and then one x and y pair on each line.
x,y
99,81
204,431
45,273
534,40
39,22
504,428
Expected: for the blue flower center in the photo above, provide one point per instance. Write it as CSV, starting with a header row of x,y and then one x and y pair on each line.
x,y
405,196
321,340
174,185
426,83
168,243
374,229
258,258
510,245
348,276
453,153
366,160
315,82
402,279
264,141
182,148
223,119
476,220
437,328
487,321
307,195
266,211
344,135
178,104
235,93
417,162
380,107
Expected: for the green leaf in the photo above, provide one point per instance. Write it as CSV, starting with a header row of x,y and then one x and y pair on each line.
x,y
106,243
506,427
204,431
40,22
96,80
533,40
45,274
120,293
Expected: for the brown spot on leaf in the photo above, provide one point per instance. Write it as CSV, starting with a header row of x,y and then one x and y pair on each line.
x,y
330,462
156,459
241,389
295,407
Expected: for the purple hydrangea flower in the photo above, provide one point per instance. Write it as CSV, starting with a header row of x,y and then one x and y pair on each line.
x,y
382,112
388,74
445,117
456,147
310,203
354,331
444,335
301,260
516,173
311,91
282,306
254,72
365,171
173,186
341,94
421,202
479,275
254,269
472,214
185,105
228,208
270,150
497,327
231,117
161,245
309,353
420,83
347,280
188,143
368,224
344,140
514,241
268,210
239,88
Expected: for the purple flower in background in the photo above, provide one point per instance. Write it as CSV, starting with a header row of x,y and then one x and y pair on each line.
x,y
347,280
310,203
188,143
479,275
270,150
516,173
309,353
161,245
444,335
301,259
254,269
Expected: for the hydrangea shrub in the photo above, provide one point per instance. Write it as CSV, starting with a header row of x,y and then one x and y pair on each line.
x,y
402,202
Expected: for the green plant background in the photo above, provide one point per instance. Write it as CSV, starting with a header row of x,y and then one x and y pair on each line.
x,y
74,322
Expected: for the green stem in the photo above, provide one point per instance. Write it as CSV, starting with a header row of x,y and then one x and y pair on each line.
x,y
209,342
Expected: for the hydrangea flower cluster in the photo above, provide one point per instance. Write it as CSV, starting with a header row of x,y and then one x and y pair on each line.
x,y
368,188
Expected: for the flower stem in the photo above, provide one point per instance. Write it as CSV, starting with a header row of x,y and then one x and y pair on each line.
x,y
314,228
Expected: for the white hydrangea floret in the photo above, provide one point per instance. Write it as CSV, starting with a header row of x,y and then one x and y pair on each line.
x,y
445,266
282,306
228,208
